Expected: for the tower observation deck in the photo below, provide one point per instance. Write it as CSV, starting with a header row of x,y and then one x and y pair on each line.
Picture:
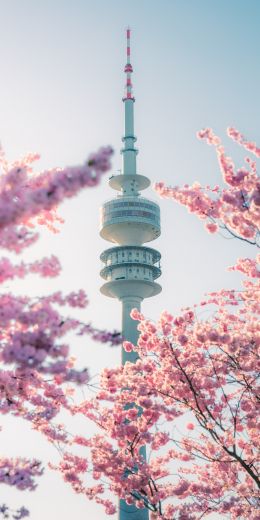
x,y
129,221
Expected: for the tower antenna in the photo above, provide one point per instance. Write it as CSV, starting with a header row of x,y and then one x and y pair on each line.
x,y
128,66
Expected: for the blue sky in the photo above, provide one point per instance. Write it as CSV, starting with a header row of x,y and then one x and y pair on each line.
x,y
195,65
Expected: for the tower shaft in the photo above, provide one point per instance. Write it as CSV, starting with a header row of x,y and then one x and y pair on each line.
x,y
129,326
130,333
129,151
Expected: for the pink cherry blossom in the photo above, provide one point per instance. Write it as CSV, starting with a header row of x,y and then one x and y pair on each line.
x,y
34,355
5,512
233,208
20,472
24,195
211,227
247,266
240,139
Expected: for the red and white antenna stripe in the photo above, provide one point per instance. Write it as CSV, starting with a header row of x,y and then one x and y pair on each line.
x,y
128,67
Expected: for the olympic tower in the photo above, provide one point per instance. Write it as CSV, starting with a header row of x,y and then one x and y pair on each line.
x,y
129,221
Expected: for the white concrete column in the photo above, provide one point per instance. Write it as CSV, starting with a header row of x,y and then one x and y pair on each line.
x,y
129,117
129,326
129,151
130,333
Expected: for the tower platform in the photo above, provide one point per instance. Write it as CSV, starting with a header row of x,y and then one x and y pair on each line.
x,y
136,182
130,220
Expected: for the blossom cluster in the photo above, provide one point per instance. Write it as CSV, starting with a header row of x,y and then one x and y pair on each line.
x,y
20,472
46,267
24,195
26,198
235,207
6,512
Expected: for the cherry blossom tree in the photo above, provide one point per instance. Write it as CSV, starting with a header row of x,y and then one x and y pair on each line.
x,y
194,387
34,354
194,376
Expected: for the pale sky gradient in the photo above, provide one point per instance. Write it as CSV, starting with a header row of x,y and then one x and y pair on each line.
x,y
196,64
